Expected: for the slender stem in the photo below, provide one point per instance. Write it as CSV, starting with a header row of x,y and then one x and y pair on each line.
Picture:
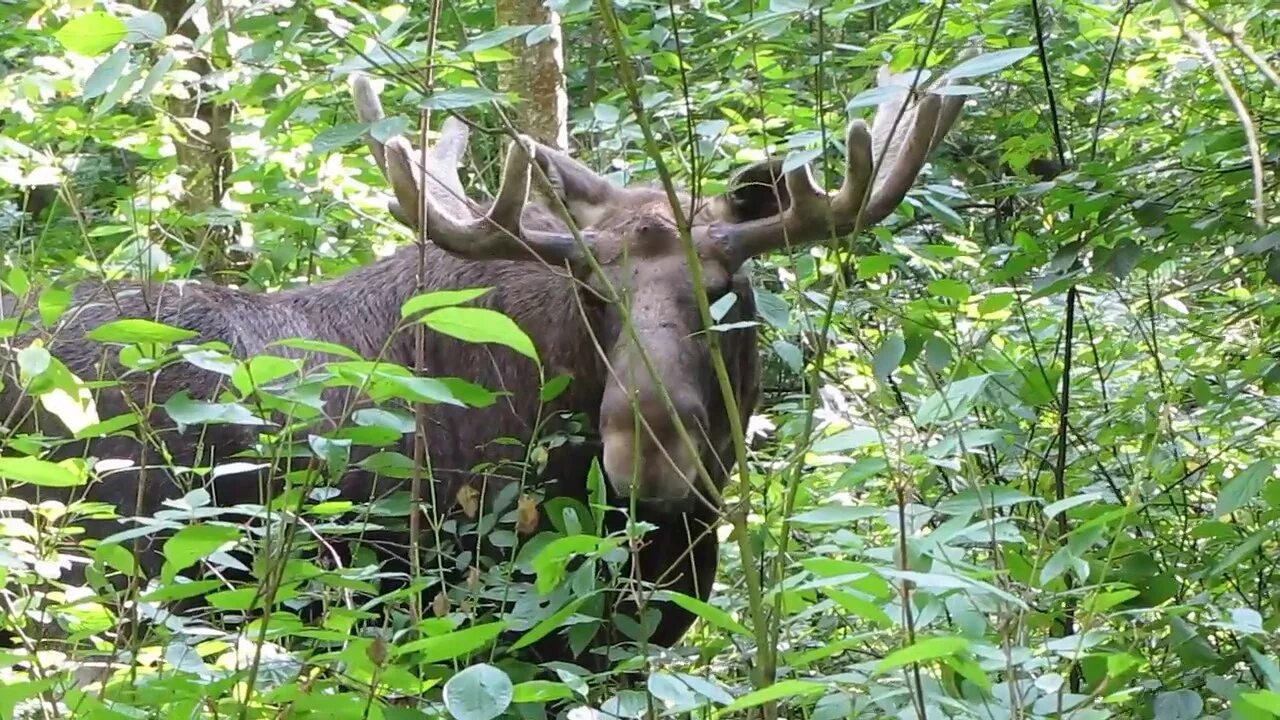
x,y
1236,41
1242,112
420,344
739,516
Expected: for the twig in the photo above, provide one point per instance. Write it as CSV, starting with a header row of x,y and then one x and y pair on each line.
x,y
1236,41
1242,112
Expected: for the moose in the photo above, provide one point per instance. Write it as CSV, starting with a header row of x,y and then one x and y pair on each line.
x,y
597,275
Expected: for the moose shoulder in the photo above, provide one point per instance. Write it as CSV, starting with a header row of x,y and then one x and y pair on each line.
x,y
612,305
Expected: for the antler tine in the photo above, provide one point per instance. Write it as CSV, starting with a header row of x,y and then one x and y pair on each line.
x,y
903,158
369,110
814,215
441,176
498,234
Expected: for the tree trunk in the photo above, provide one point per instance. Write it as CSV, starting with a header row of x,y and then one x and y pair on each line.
x,y
537,74
203,148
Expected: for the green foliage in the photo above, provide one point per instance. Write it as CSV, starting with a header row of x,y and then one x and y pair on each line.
x,y
964,500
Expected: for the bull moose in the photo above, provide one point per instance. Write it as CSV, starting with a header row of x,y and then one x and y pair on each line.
x,y
598,277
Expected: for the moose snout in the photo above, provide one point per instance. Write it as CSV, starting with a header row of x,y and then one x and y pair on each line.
x,y
645,454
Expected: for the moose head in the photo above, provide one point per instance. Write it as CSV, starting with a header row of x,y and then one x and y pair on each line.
x,y
661,416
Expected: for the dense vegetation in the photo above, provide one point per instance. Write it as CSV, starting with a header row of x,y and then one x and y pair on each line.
x,y
1015,453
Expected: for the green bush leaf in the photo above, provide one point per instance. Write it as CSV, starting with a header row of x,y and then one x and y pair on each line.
x,y
138,330
481,325
481,692
922,651
451,645
193,542
33,471
1244,487
987,63
777,691
92,33
460,97
889,357
439,299
710,613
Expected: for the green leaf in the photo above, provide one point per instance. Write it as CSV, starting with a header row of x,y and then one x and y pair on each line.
x,y
1268,700
497,37
710,613
550,623
876,96
481,692
799,158
439,299
554,387
138,330
145,28
92,33
33,471
951,289
481,325
771,693
846,440
923,651
987,63
185,410
973,500
451,645
193,542
836,515
105,76
540,691
338,137
262,370
874,265
889,357
772,308
954,402
460,97
33,360
551,561
1178,705
1243,488
319,347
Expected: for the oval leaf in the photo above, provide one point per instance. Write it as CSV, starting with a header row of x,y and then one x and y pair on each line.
x,y
710,613
34,471
777,691
888,357
927,649
1243,488
480,325
481,692
451,645
138,330
92,33
987,63
439,299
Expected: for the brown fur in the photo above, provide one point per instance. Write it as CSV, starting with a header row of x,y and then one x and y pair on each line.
x,y
360,311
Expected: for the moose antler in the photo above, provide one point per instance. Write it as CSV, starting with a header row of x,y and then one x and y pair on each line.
x,y
436,195
441,174
813,214
499,233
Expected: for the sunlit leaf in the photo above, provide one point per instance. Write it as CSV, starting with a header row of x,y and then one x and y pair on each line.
x,y
92,33
481,325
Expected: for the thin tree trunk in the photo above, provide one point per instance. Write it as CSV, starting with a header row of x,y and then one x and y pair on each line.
x,y
537,73
203,147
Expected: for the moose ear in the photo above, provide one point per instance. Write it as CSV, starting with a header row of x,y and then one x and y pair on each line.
x,y
757,191
586,194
